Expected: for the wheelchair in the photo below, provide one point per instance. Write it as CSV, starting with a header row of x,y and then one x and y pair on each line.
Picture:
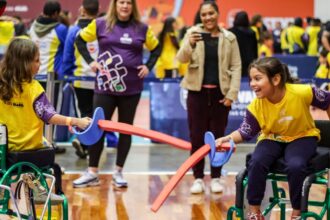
x,y
319,174
14,167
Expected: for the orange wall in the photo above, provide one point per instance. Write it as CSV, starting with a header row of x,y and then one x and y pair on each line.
x,y
267,8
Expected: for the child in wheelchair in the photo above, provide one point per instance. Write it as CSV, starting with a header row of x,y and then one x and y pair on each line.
x,y
24,107
280,114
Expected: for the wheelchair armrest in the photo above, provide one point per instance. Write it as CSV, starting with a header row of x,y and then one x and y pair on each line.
x,y
239,200
305,191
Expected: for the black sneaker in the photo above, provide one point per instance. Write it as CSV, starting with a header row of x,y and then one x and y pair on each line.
x,y
59,150
80,152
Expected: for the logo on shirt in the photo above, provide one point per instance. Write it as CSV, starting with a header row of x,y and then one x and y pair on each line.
x,y
112,75
15,104
320,95
126,39
284,117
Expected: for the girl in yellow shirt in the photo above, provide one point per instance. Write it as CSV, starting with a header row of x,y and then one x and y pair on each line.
x,y
280,115
24,107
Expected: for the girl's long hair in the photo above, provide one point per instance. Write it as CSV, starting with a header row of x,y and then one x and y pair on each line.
x,y
272,66
16,67
111,16
168,28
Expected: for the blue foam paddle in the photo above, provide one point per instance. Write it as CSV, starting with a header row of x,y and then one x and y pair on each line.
x,y
217,158
92,133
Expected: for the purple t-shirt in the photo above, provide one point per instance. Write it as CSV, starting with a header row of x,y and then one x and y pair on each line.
x,y
120,53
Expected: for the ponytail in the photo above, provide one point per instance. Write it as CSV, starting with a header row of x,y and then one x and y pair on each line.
x,y
287,78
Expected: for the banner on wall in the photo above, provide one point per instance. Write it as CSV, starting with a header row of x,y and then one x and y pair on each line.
x,y
154,11
168,112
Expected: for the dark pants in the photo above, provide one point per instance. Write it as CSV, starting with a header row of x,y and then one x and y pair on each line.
x,y
85,98
126,111
296,155
205,113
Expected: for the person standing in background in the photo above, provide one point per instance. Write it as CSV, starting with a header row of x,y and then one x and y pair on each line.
x,y
49,34
167,66
313,32
267,42
247,41
276,32
212,80
74,64
256,26
296,37
120,73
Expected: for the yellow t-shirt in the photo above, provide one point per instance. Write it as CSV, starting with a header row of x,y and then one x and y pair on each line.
x,y
287,120
265,51
322,72
294,36
25,129
7,32
166,60
312,44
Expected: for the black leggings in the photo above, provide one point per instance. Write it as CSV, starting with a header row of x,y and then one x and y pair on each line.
x,y
126,111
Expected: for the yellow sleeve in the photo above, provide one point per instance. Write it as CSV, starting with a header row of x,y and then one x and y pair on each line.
x,y
151,40
88,34
306,91
322,72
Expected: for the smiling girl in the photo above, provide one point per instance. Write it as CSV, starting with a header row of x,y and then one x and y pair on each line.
x,y
280,115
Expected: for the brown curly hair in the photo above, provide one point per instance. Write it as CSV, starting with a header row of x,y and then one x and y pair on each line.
x,y
16,67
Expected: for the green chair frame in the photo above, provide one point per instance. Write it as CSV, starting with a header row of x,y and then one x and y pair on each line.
x,y
12,175
319,177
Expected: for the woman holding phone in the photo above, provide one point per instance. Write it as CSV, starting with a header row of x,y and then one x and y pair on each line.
x,y
213,81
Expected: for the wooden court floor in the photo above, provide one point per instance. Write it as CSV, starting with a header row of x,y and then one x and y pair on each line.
x,y
107,202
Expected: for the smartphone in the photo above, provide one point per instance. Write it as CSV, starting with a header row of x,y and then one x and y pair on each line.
x,y
206,36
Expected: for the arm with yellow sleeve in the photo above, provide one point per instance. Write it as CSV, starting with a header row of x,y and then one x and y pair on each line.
x,y
152,44
88,34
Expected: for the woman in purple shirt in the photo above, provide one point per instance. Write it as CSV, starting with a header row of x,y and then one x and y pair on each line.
x,y
120,72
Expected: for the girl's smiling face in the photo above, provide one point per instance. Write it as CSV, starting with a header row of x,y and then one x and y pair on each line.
x,y
260,84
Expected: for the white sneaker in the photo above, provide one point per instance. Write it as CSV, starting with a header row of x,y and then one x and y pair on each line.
x,y
197,187
118,179
87,179
216,187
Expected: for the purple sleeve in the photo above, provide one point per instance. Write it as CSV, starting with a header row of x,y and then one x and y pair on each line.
x,y
249,127
321,98
43,108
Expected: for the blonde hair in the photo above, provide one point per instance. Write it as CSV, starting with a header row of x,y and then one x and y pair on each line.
x,y
16,67
111,16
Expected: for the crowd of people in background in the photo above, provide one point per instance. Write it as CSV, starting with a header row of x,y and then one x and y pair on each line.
x,y
117,40
300,36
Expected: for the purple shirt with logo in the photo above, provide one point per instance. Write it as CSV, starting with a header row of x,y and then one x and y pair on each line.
x,y
120,54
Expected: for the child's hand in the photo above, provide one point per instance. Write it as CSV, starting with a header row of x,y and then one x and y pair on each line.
x,y
83,122
220,141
